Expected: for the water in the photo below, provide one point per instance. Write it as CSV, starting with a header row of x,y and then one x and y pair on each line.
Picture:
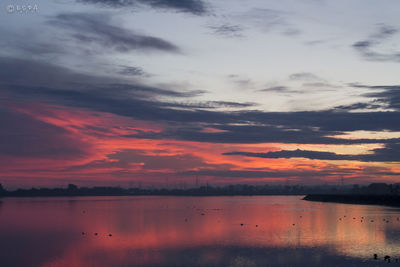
x,y
194,231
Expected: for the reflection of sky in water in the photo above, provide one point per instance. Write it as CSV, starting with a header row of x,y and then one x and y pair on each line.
x,y
189,231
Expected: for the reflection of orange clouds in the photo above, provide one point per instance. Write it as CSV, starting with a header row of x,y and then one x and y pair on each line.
x,y
145,225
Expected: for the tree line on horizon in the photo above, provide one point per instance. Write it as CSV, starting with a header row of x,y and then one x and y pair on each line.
x,y
237,189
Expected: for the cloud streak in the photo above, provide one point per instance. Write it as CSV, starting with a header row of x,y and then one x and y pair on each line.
x,y
368,48
227,30
97,29
196,7
387,154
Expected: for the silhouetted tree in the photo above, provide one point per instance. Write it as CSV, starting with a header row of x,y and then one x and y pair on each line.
x,y
2,191
72,187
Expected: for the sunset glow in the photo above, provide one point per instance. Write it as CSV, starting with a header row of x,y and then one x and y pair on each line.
x,y
111,93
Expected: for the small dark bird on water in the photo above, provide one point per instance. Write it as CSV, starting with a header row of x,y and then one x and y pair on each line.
x,y
387,258
83,233
109,234
293,224
241,224
256,225
375,256
95,233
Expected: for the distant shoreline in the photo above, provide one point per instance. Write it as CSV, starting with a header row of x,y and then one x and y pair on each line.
x,y
144,194
373,194
231,190
383,200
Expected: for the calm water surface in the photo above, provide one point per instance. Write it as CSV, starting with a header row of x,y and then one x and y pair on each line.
x,y
195,231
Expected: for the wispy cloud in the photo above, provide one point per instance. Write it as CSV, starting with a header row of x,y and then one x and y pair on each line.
x,y
96,29
268,20
279,90
131,71
305,76
386,95
227,30
197,7
386,154
369,48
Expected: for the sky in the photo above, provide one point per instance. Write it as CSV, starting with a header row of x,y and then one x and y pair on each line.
x,y
179,93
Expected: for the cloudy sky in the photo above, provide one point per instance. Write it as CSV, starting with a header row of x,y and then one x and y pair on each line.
x,y
167,92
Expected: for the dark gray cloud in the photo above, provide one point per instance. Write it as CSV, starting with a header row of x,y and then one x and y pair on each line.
x,y
291,154
23,136
196,7
360,106
36,78
387,154
131,71
97,29
138,91
24,80
368,48
388,95
280,89
252,134
227,30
